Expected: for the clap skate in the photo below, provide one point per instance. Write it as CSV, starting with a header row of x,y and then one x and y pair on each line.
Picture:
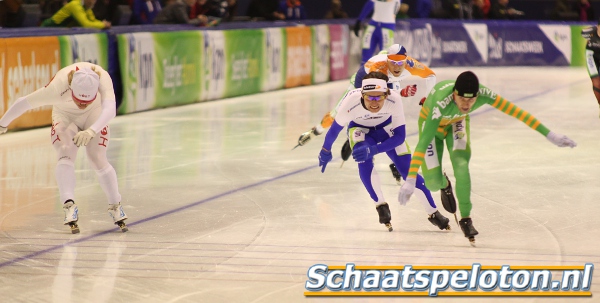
x,y
305,137
466,224
346,152
439,220
118,215
385,216
448,200
71,215
396,173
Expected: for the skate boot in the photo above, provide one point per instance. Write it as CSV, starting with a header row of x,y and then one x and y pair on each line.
x,y
448,200
396,173
118,215
346,151
385,216
466,224
71,217
439,220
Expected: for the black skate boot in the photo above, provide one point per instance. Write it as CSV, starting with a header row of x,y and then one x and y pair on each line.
x,y
448,200
385,216
396,173
346,151
466,224
439,220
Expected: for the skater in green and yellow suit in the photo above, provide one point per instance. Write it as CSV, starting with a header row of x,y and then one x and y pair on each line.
x,y
445,117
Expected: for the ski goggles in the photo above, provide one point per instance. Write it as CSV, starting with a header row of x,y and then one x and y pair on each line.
x,y
374,98
397,60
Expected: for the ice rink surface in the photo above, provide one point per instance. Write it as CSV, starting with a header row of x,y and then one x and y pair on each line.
x,y
222,210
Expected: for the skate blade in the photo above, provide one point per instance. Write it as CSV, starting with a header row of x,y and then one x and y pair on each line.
x,y
342,164
296,146
389,226
122,226
456,219
74,227
472,241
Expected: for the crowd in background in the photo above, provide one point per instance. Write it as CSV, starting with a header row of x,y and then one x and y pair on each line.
x,y
103,14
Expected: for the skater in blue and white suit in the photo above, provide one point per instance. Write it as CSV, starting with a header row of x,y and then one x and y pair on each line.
x,y
380,30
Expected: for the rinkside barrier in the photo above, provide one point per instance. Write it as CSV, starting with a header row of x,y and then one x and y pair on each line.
x,y
492,43
157,66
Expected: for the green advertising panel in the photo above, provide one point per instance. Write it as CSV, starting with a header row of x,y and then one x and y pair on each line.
x,y
84,48
243,53
273,76
137,61
321,51
178,67
577,45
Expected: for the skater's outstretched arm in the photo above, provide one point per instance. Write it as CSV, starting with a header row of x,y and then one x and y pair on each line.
x,y
530,120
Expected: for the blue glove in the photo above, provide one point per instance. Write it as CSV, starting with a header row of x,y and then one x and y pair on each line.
x,y
364,152
324,158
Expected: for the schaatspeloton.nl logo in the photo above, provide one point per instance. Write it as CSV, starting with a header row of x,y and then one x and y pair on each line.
x,y
456,281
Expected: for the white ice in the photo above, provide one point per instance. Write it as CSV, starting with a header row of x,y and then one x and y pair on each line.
x,y
222,210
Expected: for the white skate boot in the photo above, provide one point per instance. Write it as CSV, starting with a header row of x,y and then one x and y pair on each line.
x,y
71,215
118,215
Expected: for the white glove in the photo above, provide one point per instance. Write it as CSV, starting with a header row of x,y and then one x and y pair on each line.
x,y
407,189
83,137
560,140
3,129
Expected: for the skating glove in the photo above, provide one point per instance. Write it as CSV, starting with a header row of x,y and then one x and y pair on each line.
x,y
560,140
409,90
82,138
3,129
407,189
324,158
357,28
364,152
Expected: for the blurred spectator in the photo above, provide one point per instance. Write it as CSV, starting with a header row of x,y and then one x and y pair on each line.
x,y
265,9
50,7
231,10
76,13
586,11
477,9
144,11
403,11
100,9
336,11
12,13
563,10
178,13
107,9
424,8
500,10
458,9
292,10
487,5
211,10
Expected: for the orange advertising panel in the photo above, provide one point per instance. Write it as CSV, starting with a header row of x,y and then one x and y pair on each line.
x,y
28,64
299,56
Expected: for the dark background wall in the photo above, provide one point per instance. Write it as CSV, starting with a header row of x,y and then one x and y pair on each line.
x,y
534,9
